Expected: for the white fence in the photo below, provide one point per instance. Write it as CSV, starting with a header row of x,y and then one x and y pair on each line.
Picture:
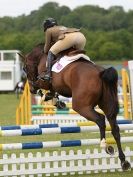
x,y
57,119
63,163
49,119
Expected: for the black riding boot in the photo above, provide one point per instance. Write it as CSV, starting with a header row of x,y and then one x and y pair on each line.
x,y
50,59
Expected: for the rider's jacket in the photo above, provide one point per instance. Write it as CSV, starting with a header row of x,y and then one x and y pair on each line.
x,y
56,33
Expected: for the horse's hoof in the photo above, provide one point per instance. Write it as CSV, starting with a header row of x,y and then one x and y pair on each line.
x,y
110,150
48,96
125,165
60,105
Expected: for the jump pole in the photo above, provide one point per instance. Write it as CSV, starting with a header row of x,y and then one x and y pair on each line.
x,y
59,130
57,144
76,124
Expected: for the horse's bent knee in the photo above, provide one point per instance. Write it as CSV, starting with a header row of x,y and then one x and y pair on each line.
x,y
75,107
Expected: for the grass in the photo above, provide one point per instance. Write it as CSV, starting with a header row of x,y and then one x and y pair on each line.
x,y
8,104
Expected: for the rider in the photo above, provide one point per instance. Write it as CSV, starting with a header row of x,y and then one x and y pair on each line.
x,y
57,39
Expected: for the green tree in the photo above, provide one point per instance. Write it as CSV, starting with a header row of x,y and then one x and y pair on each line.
x,y
109,33
110,51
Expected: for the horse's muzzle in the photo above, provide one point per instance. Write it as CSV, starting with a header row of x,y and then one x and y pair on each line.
x,y
33,89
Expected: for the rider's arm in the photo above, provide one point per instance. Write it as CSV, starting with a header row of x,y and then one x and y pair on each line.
x,y
48,40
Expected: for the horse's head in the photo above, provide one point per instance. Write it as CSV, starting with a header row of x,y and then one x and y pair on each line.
x,y
31,61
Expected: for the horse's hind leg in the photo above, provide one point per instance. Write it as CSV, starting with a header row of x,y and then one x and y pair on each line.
x,y
116,133
90,114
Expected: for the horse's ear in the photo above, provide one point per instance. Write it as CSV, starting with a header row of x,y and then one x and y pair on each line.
x,y
22,57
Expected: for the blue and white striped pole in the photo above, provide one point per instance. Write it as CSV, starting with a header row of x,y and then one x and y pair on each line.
x,y
59,130
55,144
77,124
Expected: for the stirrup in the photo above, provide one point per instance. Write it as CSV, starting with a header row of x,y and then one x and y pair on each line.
x,y
47,77
44,77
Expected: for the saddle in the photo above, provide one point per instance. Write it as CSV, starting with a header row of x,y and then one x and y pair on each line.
x,y
68,52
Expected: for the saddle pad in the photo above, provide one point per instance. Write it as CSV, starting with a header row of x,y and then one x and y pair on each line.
x,y
65,60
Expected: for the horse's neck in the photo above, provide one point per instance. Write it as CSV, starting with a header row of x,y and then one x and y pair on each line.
x,y
42,64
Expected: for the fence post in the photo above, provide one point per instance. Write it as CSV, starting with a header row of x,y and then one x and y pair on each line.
x,y
23,111
126,94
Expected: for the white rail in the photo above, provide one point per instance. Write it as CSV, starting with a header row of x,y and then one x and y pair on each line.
x,y
61,163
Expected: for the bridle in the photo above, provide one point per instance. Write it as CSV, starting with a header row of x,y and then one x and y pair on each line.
x,y
30,77
31,70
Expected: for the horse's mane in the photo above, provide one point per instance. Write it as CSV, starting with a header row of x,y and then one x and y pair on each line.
x,y
36,53
39,45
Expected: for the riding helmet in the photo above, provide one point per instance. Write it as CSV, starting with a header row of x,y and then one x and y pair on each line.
x,y
48,23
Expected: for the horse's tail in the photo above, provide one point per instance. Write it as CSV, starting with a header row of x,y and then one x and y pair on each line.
x,y
110,95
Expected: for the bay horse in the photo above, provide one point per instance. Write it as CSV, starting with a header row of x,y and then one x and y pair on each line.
x,y
88,84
